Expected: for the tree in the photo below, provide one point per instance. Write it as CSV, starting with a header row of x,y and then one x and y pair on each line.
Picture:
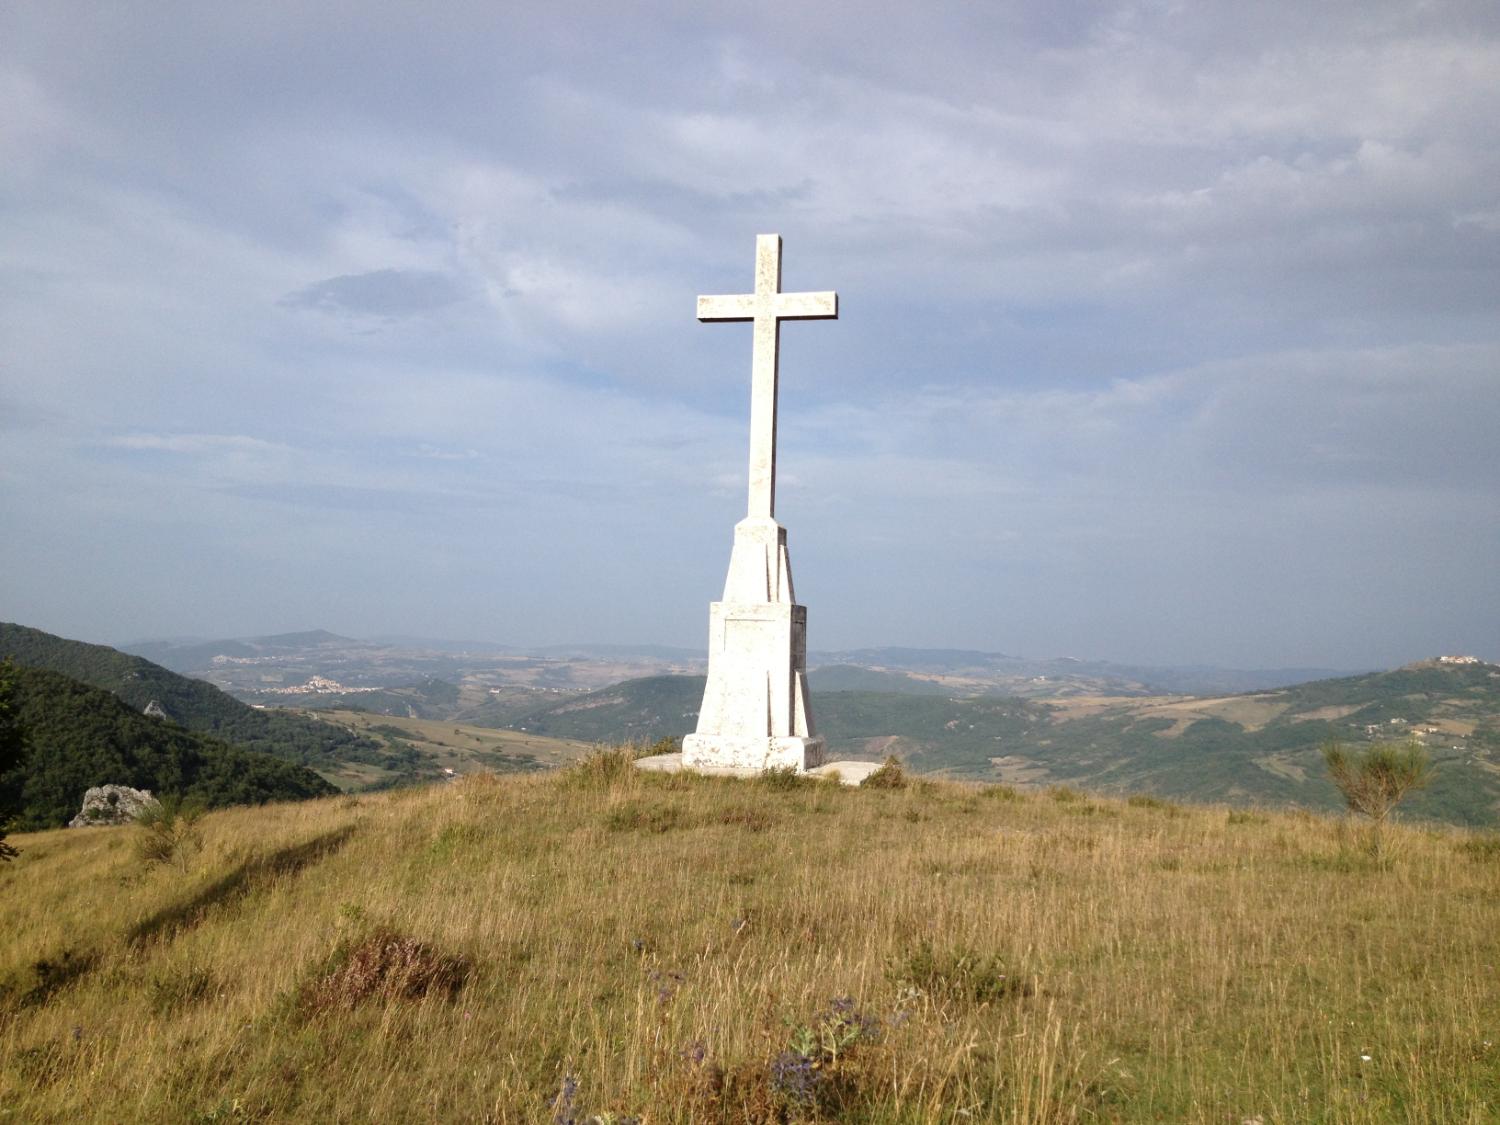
x,y
12,750
1375,781
169,832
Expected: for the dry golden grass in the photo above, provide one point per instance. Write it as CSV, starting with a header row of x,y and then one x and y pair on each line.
x,y
673,944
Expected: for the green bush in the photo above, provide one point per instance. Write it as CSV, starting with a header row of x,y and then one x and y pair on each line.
x,y
959,974
888,776
1373,782
784,777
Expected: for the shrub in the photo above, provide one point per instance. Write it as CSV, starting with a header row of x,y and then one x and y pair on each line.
x,y
603,769
959,974
784,777
1372,783
888,776
640,816
169,833
1144,801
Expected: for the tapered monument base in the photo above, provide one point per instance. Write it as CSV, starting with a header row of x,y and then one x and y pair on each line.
x,y
756,713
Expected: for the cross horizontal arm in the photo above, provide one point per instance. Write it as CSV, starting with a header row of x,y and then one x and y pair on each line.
x,y
807,306
738,306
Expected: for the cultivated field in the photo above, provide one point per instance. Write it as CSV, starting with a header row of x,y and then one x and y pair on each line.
x,y
443,744
598,943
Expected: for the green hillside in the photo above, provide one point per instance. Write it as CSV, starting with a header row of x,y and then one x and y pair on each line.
x,y
641,710
80,736
851,677
1268,746
1263,748
196,705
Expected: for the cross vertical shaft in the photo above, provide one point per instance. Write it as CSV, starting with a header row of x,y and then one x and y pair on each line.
x,y
765,377
766,308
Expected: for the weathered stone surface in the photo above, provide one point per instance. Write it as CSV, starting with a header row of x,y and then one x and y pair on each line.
x,y
849,772
756,713
105,805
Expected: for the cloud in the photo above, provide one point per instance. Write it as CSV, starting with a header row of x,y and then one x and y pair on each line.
x,y
387,293
1143,306
194,443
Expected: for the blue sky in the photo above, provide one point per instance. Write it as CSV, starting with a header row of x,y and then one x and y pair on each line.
x,y
1168,332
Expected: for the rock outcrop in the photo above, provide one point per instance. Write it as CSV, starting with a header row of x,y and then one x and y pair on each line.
x,y
105,805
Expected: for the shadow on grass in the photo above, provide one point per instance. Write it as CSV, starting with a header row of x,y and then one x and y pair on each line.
x,y
239,883
52,974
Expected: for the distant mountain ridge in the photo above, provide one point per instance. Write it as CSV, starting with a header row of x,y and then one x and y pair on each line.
x,y
1144,679
242,664
185,657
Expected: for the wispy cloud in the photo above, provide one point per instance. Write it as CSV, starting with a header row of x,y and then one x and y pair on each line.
x,y
381,293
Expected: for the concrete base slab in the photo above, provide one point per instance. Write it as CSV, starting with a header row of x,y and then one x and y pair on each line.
x,y
849,772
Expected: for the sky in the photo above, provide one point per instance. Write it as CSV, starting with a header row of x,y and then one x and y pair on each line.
x,y
1168,332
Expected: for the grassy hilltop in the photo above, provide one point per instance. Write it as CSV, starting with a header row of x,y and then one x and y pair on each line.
x,y
599,941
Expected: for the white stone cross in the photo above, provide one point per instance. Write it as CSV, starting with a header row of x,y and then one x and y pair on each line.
x,y
767,307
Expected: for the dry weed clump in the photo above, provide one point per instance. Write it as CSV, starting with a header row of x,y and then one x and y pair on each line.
x,y
605,768
390,966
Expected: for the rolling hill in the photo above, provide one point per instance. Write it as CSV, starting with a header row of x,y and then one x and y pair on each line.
x,y
193,704
1258,748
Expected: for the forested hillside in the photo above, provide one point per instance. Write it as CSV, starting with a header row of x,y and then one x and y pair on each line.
x,y
196,705
78,736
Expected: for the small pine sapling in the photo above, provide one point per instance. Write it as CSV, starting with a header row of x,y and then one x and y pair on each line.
x,y
169,832
1374,782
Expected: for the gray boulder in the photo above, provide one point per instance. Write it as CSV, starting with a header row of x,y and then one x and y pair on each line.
x,y
104,805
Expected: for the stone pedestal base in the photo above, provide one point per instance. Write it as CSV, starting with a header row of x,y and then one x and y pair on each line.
x,y
755,712
720,751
